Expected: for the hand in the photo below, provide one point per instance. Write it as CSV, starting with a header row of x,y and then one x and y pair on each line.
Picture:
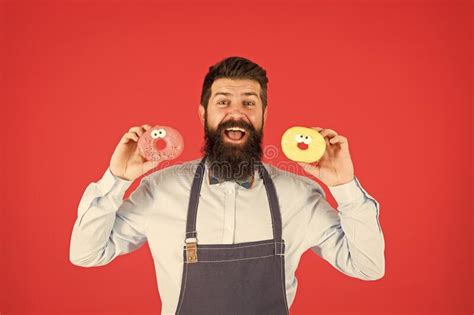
x,y
335,166
126,162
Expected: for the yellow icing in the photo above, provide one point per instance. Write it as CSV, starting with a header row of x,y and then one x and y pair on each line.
x,y
316,146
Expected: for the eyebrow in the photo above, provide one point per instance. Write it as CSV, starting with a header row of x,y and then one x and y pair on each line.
x,y
228,94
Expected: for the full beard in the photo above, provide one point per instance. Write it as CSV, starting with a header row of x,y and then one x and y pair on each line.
x,y
230,161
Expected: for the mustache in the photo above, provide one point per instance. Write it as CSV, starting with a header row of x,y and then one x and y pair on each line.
x,y
235,123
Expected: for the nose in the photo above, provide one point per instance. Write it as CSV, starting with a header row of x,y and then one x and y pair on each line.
x,y
235,112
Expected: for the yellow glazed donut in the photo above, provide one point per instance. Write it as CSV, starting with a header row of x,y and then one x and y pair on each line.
x,y
302,144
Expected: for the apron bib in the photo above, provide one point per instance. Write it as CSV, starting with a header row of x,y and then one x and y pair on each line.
x,y
244,278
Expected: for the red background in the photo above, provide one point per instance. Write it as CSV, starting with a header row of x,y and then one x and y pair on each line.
x,y
394,77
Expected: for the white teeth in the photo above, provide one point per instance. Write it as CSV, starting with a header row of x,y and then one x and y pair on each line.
x,y
235,128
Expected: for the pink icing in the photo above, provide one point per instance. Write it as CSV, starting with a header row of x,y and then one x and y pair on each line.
x,y
164,148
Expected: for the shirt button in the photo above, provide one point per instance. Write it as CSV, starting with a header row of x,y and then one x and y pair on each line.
x,y
230,191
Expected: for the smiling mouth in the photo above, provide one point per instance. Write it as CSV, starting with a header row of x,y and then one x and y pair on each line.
x,y
302,146
235,134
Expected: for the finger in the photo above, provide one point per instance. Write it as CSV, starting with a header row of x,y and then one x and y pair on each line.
x,y
129,136
146,126
317,128
138,130
338,139
328,133
327,141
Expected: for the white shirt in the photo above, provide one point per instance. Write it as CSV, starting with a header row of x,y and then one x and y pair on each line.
x,y
351,240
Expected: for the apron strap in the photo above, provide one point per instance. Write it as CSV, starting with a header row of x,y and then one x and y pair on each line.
x,y
273,202
194,200
271,194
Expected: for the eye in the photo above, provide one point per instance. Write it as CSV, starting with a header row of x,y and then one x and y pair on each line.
x,y
307,139
158,133
249,103
299,138
221,102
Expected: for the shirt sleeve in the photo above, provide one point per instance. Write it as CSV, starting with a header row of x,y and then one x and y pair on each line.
x,y
106,226
350,239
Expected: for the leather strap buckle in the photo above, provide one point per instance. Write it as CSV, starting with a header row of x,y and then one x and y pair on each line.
x,y
191,250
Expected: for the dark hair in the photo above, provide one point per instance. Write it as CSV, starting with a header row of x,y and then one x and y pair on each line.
x,y
235,68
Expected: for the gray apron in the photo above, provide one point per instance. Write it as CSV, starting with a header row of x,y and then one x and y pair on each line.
x,y
244,278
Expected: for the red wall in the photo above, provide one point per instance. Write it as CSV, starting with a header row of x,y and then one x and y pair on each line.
x,y
394,77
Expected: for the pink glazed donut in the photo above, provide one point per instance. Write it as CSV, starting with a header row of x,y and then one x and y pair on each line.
x,y
161,143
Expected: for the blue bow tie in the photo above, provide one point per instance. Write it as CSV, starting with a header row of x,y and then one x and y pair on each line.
x,y
246,183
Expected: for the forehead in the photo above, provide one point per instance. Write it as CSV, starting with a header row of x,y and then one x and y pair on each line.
x,y
235,86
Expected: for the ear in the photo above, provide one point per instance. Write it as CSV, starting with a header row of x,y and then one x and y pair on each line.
x,y
201,113
265,114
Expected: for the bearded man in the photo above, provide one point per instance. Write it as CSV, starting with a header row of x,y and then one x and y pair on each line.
x,y
227,230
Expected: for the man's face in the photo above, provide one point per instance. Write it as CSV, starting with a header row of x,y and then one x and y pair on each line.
x,y
237,100
233,126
